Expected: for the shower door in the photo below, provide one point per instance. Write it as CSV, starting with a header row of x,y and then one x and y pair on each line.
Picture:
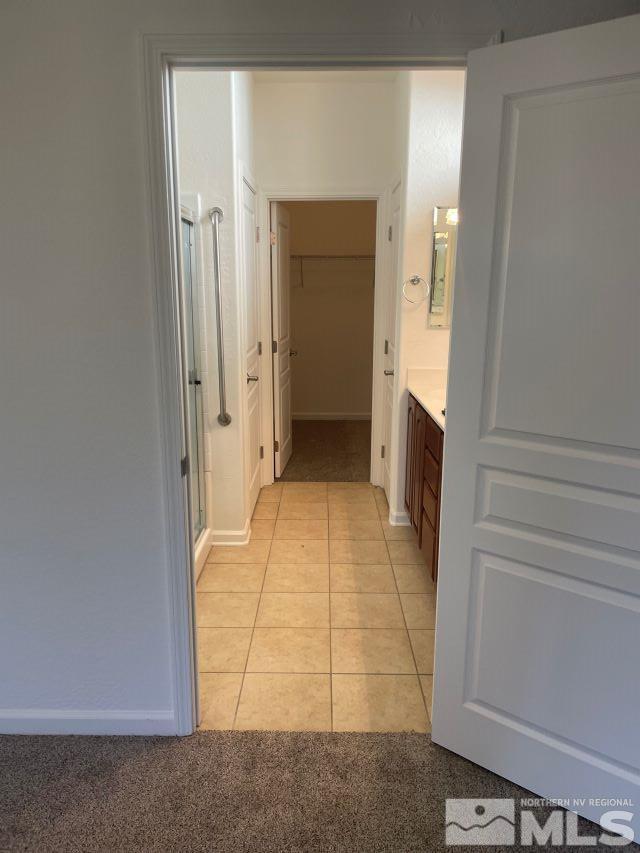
x,y
193,354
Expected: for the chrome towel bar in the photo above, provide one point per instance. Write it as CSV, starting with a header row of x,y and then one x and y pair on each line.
x,y
216,217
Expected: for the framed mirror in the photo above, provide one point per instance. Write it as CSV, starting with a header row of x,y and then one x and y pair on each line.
x,y
445,233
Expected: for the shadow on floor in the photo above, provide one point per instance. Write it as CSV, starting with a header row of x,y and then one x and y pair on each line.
x,y
330,451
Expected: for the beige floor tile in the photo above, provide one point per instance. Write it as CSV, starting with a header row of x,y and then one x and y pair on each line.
x,y
381,501
300,529
300,510
232,577
405,552
299,496
398,532
299,551
256,551
285,702
413,578
305,486
223,649
219,699
293,610
347,497
422,642
365,610
262,528
353,511
266,509
300,577
290,650
271,493
362,577
378,703
372,650
353,529
358,551
427,688
226,609
419,610
350,488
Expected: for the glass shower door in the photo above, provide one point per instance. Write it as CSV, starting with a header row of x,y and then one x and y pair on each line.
x,y
193,351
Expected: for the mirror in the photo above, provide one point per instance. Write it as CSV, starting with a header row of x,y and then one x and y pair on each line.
x,y
445,232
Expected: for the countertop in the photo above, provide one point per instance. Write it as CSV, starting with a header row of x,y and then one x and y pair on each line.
x,y
429,387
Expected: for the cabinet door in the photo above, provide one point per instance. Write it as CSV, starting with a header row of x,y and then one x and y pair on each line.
x,y
408,485
419,429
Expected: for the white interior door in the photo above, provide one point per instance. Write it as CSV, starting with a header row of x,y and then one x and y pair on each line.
x,y
281,297
390,332
252,333
538,621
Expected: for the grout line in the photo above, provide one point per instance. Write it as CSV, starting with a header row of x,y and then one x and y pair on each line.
x,y
253,630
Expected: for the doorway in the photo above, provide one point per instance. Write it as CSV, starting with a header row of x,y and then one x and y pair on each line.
x,y
323,278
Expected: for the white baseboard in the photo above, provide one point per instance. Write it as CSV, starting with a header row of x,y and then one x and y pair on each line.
x,y
201,551
55,721
230,537
331,416
399,519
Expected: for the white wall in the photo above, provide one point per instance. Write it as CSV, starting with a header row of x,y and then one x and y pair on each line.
x,y
324,131
332,314
85,618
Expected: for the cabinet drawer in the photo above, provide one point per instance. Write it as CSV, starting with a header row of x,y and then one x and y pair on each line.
x,y
430,504
428,544
434,438
432,472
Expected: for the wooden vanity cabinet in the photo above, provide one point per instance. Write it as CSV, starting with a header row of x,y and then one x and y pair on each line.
x,y
423,477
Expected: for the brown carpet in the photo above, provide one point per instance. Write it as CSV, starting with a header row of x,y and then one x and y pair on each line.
x,y
233,791
330,451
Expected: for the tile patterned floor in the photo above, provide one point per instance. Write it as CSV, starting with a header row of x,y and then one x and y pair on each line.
x,y
324,621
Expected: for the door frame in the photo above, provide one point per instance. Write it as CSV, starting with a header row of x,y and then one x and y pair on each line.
x,y
379,196
161,54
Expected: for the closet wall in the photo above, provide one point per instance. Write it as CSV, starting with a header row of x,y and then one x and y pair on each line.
x,y
332,308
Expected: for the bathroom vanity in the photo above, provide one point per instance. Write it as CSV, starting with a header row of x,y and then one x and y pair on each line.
x,y
425,440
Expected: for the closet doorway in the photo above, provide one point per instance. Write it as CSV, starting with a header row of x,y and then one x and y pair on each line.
x,y
323,274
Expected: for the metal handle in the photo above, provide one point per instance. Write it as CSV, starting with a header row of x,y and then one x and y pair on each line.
x,y
216,217
388,373
293,353
251,378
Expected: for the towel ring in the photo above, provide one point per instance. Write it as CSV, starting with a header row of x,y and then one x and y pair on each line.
x,y
414,281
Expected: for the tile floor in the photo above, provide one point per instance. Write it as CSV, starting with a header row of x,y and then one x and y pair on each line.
x,y
324,621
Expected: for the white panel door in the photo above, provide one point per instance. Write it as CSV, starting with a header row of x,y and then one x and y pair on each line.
x,y
252,332
391,302
538,619
280,263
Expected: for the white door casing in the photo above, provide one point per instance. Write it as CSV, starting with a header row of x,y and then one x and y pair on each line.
x,y
538,615
281,320
391,308
249,236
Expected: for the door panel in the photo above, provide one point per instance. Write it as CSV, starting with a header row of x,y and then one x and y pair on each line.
x,y
280,263
390,332
539,579
193,352
252,326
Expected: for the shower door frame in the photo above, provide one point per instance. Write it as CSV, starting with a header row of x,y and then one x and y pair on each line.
x,y
161,55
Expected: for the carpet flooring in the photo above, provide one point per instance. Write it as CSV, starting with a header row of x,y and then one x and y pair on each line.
x,y
330,451
233,791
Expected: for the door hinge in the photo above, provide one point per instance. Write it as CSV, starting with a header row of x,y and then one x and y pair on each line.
x,y
276,446
382,449
390,233
274,346
257,233
386,347
184,466
272,238
259,347
261,452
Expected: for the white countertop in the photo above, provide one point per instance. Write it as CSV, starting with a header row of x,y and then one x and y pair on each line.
x,y
429,387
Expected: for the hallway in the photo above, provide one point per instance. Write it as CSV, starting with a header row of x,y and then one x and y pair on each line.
x,y
330,450
324,621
